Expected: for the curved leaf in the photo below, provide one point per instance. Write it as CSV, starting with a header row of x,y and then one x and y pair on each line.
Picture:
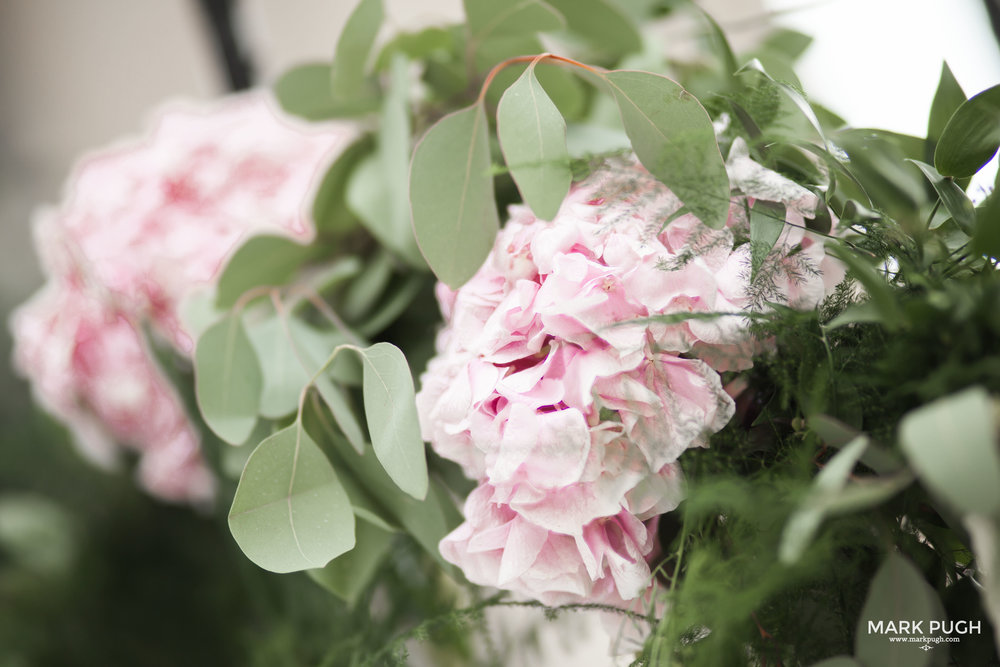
x,y
290,512
391,413
955,201
228,380
451,195
673,137
971,136
532,136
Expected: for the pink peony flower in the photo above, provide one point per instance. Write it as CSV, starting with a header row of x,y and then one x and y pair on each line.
x,y
558,392
146,224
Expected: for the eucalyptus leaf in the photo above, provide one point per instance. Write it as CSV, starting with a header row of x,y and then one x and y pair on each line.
x,y
605,26
283,372
305,91
340,407
349,574
262,260
532,136
377,189
290,512
898,592
952,444
955,201
391,413
673,137
767,220
488,18
347,78
971,136
329,208
428,521
228,380
451,195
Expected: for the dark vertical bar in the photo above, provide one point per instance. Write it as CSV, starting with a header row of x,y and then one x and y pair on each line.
x,y
993,9
232,54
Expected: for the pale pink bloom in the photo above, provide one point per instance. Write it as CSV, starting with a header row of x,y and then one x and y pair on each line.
x,y
144,225
93,371
605,562
155,219
556,388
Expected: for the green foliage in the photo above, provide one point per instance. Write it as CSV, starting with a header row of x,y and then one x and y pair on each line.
x,y
971,136
532,135
672,136
451,195
228,379
290,512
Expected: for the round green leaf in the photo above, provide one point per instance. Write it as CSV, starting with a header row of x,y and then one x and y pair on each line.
x,y
673,137
451,195
228,380
952,444
532,136
290,512
971,136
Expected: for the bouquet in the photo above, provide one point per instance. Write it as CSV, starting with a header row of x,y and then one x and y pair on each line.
x,y
521,314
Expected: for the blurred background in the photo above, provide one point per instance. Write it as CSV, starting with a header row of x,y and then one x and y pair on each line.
x,y
91,570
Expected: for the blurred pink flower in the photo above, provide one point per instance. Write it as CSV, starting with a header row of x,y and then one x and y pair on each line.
x,y
563,387
144,225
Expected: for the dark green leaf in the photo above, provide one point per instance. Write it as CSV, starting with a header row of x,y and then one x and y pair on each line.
x,y
532,136
228,380
451,195
262,260
673,137
290,512
347,79
794,96
767,220
952,444
391,413
898,592
349,574
948,97
955,201
971,136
